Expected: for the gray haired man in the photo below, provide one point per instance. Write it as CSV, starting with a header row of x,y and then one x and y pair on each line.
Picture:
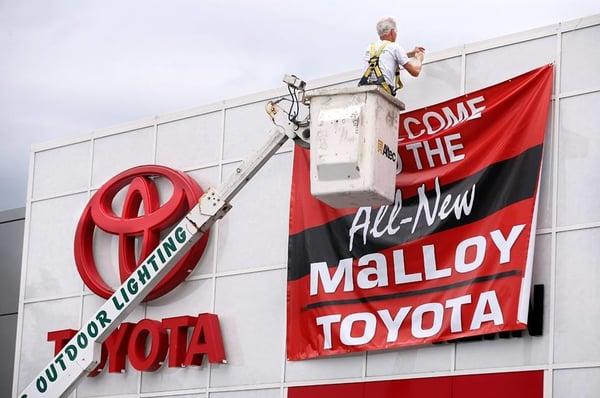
x,y
385,58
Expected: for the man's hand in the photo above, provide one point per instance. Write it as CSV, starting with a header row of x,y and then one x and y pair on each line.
x,y
416,51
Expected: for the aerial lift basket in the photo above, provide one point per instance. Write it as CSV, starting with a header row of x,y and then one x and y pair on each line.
x,y
354,145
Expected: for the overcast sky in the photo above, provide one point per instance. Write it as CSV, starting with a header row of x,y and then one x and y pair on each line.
x,y
68,67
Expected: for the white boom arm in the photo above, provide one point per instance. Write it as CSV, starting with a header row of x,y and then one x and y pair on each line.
x,y
82,353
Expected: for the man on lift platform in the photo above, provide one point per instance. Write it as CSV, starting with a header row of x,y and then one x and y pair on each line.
x,y
385,58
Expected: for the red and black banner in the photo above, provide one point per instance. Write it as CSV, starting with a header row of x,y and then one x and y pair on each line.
x,y
451,257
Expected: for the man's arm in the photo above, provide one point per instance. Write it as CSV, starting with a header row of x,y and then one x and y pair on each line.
x,y
415,63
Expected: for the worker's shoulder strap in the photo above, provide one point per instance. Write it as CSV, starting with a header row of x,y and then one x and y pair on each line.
x,y
375,51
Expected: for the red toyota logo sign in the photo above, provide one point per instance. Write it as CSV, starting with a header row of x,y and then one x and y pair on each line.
x,y
142,193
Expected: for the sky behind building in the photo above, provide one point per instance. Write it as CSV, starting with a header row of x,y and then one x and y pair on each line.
x,y
70,67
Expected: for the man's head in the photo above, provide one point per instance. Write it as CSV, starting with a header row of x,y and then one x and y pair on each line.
x,y
386,29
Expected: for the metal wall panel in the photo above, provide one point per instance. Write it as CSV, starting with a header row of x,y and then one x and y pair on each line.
x,y
580,59
11,243
579,146
246,127
493,66
189,143
438,81
116,153
254,233
39,319
8,331
325,368
198,395
64,169
51,268
272,393
251,310
577,319
430,358
580,383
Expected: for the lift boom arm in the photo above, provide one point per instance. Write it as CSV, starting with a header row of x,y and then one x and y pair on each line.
x,y
81,354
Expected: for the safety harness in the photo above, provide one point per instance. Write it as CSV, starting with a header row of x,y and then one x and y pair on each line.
x,y
373,73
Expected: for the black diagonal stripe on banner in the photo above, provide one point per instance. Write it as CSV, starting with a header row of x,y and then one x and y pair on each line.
x,y
497,186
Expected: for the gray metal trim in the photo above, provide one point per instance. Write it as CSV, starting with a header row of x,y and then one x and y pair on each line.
x,y
12,215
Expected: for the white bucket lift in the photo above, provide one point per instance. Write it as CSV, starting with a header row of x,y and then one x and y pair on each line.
x,y
353,145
